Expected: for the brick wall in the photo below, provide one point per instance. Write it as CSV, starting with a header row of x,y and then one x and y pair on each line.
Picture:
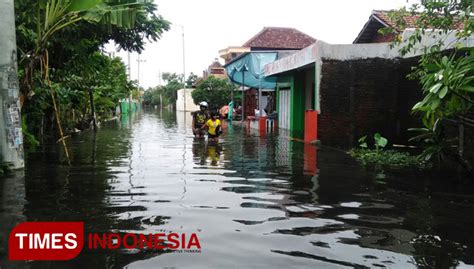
x,y
362,97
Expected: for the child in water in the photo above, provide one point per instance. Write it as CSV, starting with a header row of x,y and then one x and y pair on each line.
x,y
213,126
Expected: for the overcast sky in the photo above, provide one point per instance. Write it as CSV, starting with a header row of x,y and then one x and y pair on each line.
x,y
211,25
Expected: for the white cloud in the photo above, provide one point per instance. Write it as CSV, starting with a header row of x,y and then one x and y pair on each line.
x,y
211,25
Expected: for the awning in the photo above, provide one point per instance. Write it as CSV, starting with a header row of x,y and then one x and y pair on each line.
x,y
248,69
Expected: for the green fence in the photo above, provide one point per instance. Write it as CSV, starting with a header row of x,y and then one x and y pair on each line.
x,y
126,107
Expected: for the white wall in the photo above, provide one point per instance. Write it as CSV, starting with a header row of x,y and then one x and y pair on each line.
x,y
190,106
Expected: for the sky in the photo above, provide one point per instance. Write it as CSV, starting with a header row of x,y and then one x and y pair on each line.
x,y
211,25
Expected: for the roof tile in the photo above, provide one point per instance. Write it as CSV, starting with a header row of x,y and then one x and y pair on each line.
x,y
280,38
410,20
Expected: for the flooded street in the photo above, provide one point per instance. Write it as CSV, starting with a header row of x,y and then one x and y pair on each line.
x,y
254,202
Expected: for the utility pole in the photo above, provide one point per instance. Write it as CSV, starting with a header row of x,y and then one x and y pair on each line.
x,y
11,136
184,72
243,93
159,78
138,68
129,73
184,68
138,75
129,78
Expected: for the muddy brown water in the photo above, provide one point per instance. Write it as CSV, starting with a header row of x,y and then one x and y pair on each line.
x,y
254,201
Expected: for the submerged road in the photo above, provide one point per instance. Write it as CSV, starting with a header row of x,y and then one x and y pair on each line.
x,y
254,202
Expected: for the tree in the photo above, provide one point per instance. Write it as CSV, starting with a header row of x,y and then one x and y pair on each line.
x,y
173,84
217,92
447,78
99,77
168,93
59,41
192,78
54,15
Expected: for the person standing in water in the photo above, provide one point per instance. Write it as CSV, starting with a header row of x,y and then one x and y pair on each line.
x,y
214,128
200,117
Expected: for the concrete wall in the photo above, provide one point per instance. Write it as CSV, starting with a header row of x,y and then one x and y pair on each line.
x,y
322,50
185,94
11,137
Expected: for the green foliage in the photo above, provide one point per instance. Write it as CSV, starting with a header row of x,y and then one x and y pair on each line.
x,y
28,138
152,97
380,141
447,80
173,84
217,92
436,145
191,80
448,87
168,92
60,44
444,16
362,142
379,157
387,158
148,26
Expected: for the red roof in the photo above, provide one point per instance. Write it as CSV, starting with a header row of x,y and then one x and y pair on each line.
x,y
279,38
216,64
410,20
380,18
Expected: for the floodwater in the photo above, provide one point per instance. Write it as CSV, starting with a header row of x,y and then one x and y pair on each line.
x,y
254,201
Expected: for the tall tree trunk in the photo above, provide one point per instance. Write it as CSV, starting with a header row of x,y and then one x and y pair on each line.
x,y
11,136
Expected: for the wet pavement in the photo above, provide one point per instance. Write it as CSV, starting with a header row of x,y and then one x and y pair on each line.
x,y
254,201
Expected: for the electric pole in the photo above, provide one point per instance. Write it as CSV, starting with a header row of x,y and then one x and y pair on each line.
x,y
11,136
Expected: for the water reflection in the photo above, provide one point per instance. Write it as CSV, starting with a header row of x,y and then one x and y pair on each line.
x,y
12,204
254,200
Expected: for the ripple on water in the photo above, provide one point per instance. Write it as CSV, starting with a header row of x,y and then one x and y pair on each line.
x,y
252,201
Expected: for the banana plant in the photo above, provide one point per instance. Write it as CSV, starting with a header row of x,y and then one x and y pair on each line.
x,y
54,15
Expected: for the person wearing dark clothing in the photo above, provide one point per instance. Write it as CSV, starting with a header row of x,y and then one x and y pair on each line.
x,y
200,117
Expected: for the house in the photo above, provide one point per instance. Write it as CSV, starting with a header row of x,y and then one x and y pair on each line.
x,y
230,53
380,19
244,64
338,93
215,69
269,39
279,38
